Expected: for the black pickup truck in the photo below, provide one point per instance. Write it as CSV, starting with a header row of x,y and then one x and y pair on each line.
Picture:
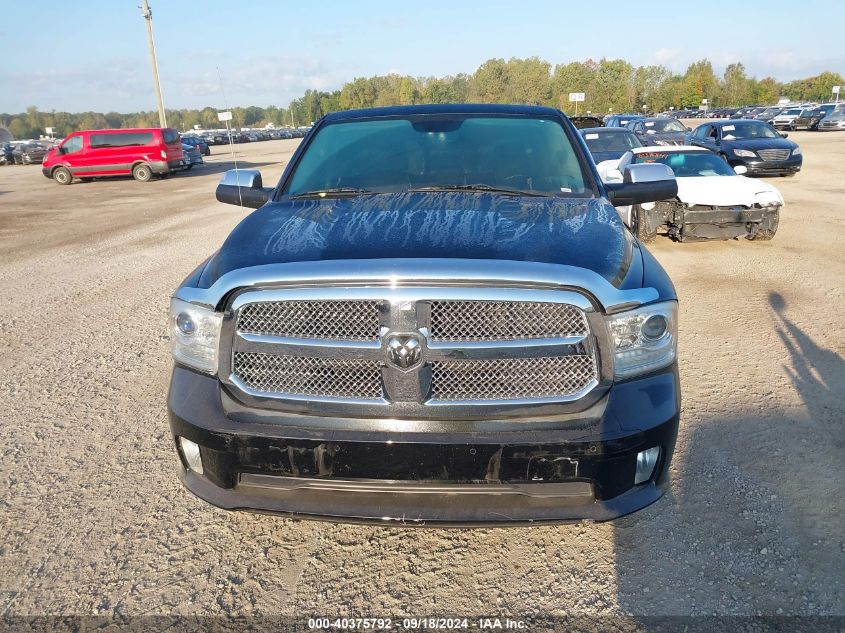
x,y
436,317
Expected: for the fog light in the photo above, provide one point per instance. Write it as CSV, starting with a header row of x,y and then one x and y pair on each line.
x,y
191,453
646,461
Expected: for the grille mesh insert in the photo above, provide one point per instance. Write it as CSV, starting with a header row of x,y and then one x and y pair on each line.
x,y
774,154
356,320
511,379
327,377
504,320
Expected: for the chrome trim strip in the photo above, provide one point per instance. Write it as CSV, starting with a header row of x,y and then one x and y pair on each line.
x,y
524,401
406,273
319,348
510,348
292,398
396,294
540,490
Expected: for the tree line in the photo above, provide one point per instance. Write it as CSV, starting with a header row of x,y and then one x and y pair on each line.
x,y
609,85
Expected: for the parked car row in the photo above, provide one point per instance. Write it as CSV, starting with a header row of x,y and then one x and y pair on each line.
x,y
806,116
650,130
140,152
87,154
705,207
221,137
24,152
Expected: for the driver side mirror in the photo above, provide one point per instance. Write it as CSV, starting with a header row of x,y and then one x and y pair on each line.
x,y
784,135
647,182
243,187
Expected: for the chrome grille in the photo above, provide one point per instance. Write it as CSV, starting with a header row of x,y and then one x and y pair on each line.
x,y
774,154
338,320
511,379
358,379
504,320
491,350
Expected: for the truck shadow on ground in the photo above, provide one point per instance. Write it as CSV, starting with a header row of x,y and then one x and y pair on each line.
x,y
753,521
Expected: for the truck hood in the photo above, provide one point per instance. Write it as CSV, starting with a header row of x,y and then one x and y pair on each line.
x,y
727,191
586,233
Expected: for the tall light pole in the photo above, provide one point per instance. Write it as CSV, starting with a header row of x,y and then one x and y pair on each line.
x,y
148,17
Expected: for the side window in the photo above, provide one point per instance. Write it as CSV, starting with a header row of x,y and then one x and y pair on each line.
x,y
170,136
121,139
703,131
73,144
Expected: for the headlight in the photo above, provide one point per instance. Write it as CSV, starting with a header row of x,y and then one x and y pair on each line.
x,y
745,153
644,339
194,335
796,151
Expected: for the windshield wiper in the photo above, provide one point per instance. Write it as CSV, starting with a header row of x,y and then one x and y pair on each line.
x,y
483,188
334,192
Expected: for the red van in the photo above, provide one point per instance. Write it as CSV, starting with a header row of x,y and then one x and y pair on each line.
x,y
141,152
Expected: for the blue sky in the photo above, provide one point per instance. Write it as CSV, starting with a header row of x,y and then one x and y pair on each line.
x,y
92,54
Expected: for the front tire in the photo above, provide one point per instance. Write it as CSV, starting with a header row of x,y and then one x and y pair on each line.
x,y
62,176
764,235
639,224
142,173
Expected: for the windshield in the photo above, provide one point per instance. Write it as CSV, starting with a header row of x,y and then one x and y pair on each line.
x,y
611,141
429,151
748,129
664,126
689,164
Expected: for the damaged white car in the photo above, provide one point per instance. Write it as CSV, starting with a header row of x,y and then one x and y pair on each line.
x,y
715,201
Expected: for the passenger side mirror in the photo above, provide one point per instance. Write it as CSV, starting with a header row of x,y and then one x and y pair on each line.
x,y
647,182
740,169
243,187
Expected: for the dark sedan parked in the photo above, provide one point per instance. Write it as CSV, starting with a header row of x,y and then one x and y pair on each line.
x,y
192,155
29,153
197,142
584,121
7,154
810,118
609,143
754,144
659,131
620,120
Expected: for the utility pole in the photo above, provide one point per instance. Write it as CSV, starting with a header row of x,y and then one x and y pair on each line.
x,y
148,17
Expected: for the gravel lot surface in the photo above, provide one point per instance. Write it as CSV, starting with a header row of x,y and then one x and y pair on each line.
x,y
94,521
